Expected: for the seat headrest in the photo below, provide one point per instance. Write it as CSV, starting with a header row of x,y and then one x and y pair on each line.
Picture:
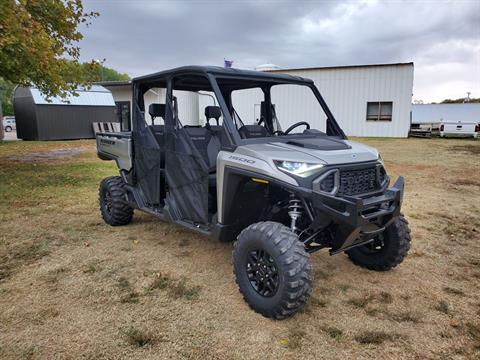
x,y
157,110
213,112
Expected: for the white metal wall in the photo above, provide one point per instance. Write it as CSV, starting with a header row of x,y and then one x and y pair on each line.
x,y
347,91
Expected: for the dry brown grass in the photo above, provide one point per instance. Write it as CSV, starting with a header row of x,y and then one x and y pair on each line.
x,y
72,287
374,337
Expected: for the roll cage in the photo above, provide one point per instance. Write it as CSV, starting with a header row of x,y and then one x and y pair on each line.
x,y
222,82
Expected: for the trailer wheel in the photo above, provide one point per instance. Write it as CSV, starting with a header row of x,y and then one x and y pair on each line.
x,y
272,269
113,205
387,251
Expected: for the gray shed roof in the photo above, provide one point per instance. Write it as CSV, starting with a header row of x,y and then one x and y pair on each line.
x,y
95,96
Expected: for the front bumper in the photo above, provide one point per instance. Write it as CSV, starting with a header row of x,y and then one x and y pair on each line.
x,y
359,219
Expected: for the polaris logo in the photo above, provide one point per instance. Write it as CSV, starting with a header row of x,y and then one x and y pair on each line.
x,y
107,142
248,161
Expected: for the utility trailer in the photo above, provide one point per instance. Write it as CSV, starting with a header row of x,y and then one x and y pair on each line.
x,y
276,187
426,130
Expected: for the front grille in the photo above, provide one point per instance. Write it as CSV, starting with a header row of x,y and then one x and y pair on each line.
x,y
350,182
354,182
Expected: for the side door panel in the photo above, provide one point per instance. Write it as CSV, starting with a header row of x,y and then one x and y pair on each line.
x,y
186,171
146,160
187,178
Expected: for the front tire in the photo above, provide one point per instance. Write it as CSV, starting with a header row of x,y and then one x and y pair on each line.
x,y
387,251
272,269
113,202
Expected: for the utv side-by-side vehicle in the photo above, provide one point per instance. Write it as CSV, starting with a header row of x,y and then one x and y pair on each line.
x,y
233,154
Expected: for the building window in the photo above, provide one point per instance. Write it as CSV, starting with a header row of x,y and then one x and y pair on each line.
x,y
379,111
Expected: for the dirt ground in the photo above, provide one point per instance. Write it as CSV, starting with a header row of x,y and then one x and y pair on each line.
x,y
72,287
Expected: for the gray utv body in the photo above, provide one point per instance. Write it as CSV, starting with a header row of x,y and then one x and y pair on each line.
x,y
168,176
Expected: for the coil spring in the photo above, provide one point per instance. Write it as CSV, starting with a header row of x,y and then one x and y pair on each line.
x,y
295,212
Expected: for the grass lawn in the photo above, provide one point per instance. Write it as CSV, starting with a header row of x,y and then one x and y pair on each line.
x,y
73,287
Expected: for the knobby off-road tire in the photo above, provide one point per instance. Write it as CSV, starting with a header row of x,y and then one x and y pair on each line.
x,y
113,205
291,264
396,243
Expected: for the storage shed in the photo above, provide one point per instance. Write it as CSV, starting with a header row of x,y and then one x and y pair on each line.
x,y
39,118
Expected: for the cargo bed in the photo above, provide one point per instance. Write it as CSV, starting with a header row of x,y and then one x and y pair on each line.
x,y
116,146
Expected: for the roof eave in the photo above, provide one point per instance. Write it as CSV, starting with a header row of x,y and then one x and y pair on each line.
x,y
340,67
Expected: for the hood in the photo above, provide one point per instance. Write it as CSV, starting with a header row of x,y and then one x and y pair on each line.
x,y
326,151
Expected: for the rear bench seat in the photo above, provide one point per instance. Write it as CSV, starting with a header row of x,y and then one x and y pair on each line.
x,y
207,140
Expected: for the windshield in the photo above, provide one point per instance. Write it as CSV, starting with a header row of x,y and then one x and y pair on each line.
x,y
294,110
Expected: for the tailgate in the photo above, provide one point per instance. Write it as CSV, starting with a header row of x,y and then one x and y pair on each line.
x,y
459,128
116,146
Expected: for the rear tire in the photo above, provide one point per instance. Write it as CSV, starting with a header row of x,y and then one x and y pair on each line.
x,y
272,269
114,207
396,244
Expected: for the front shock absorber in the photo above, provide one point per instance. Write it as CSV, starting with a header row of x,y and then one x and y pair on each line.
x,y
295,212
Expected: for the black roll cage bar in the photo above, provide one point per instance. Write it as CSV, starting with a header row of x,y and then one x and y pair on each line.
x,y
165,79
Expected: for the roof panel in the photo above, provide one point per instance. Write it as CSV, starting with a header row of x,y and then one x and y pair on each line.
x,y
221,72
95,96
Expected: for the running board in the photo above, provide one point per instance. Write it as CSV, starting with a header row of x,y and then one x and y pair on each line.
x,y
351,247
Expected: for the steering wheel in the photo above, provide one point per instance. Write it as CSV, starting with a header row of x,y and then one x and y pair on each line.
x,y
300,123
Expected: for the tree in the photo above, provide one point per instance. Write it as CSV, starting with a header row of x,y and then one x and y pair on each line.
x,y
39,44
6,89
460,101
104,73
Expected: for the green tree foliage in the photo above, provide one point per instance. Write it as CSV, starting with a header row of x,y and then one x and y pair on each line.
x,y
460,101
39,44
104,73
6,89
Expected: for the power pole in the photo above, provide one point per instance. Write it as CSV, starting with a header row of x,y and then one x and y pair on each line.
x,y
100,62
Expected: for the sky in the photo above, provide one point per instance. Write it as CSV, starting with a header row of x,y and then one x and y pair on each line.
x,y
442,38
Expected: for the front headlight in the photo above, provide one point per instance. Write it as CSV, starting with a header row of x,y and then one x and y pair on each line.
x,y
297,168
380,158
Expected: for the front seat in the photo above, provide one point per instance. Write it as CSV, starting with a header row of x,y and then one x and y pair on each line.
x,y
215,143
157,110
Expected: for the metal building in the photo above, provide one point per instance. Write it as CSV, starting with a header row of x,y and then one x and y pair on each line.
x,y
39,118
366,100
